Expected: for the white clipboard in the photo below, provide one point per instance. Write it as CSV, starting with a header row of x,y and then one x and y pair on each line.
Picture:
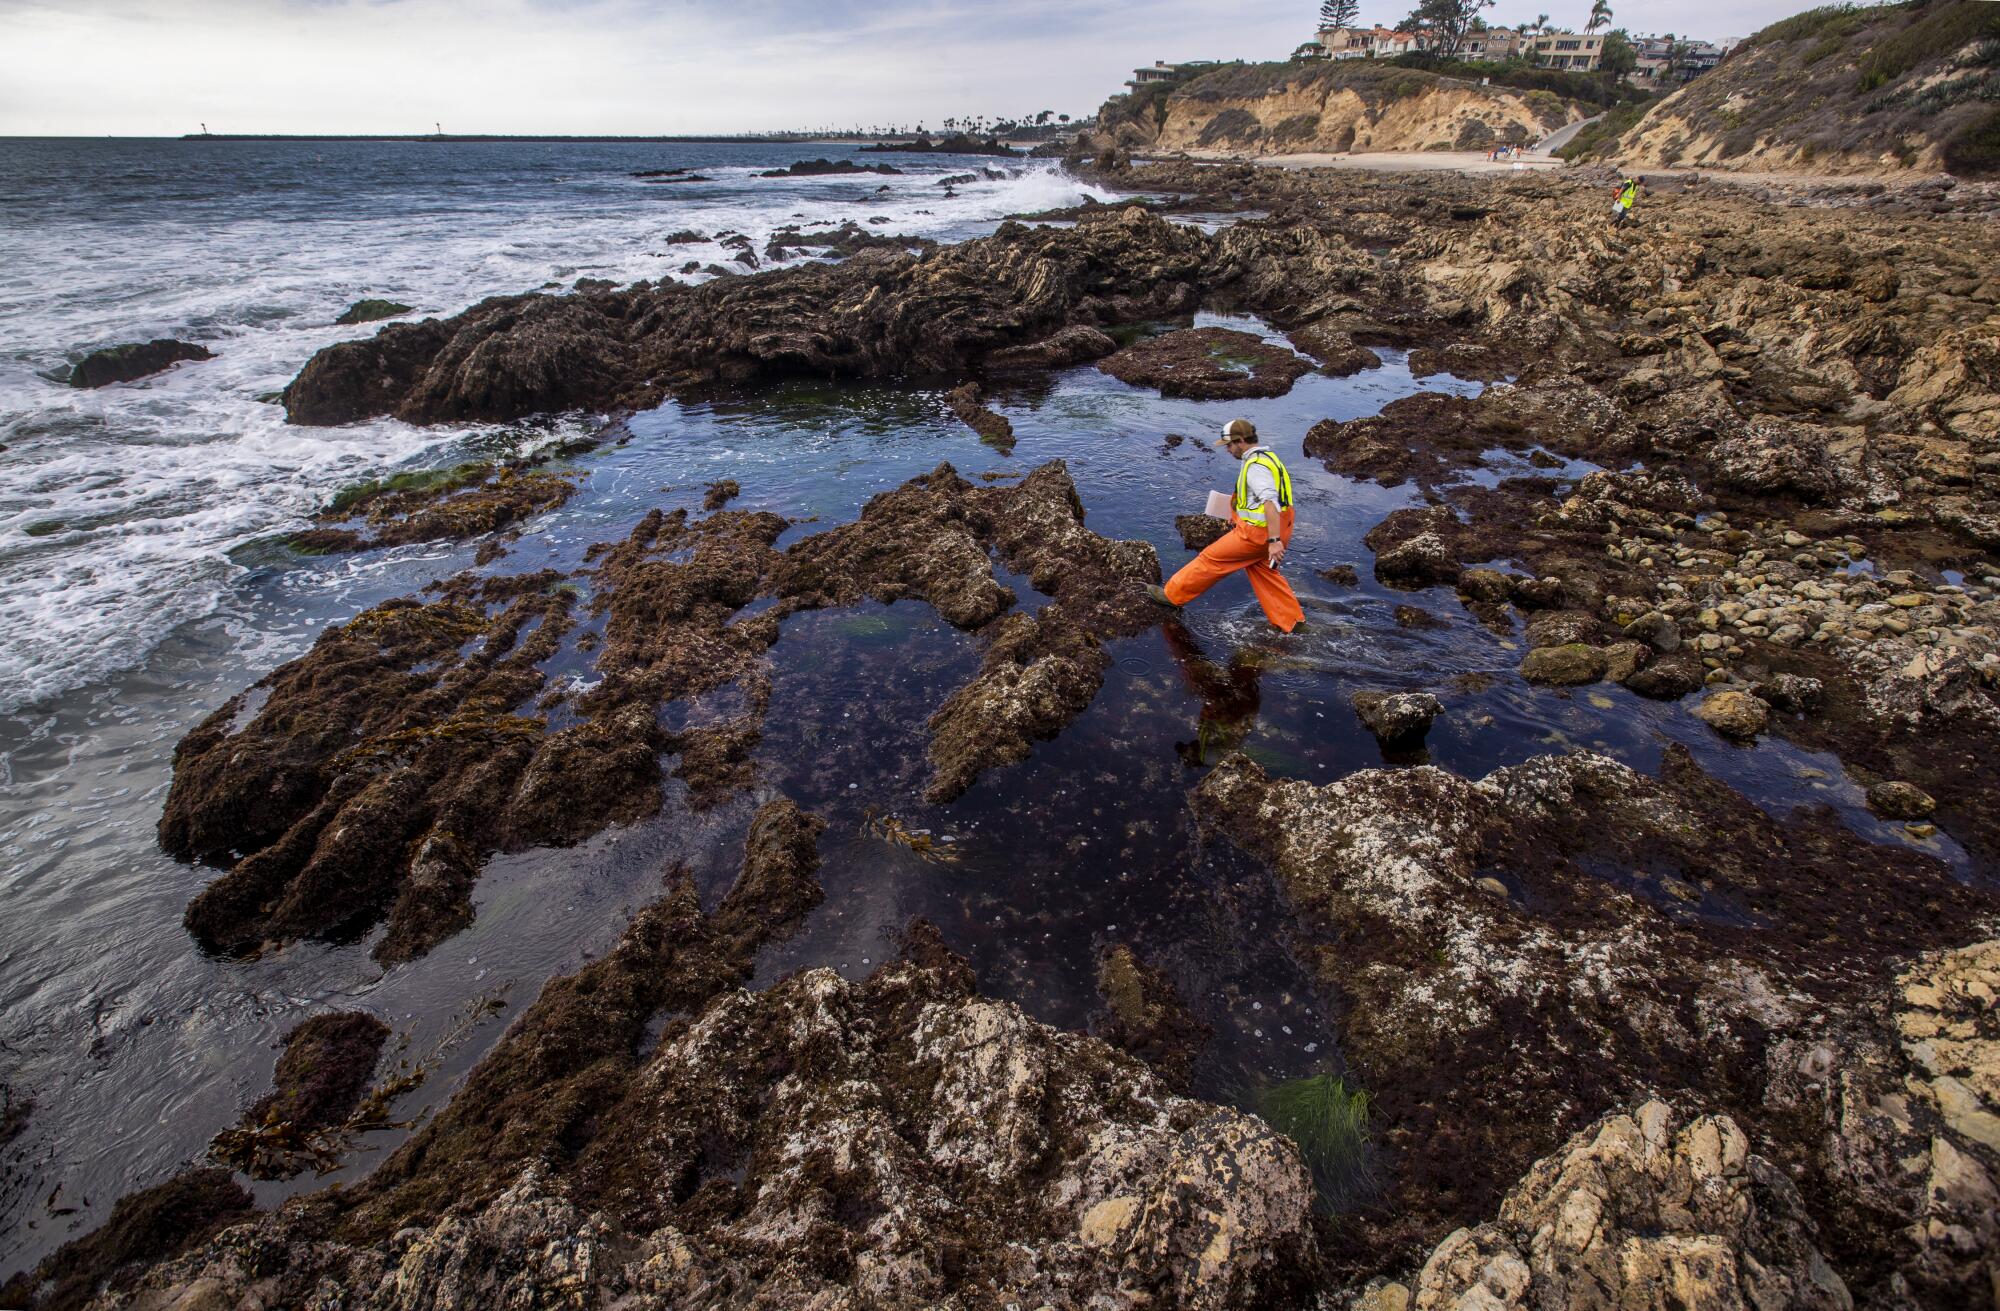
x,y
1218,505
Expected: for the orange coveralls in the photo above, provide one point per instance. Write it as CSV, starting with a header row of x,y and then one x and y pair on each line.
x,y
1242,547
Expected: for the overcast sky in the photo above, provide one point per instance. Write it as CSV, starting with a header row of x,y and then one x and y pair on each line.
x,y
163,67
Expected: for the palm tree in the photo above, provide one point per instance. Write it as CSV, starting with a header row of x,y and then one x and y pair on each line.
x,y
1600,15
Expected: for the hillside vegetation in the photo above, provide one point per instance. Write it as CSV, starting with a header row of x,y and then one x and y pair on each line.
x,y
1839,89
1279,108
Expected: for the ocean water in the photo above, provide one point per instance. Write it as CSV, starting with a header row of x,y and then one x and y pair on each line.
x,y
120,508
165,590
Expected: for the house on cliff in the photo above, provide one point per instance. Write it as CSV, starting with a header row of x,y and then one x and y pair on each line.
x,y
1162,71
1579,52
1367,42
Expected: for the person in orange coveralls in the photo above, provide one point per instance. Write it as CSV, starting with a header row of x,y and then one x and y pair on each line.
x,y
1252,544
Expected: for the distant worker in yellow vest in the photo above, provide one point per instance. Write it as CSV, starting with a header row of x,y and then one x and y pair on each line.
x,y
1628,196
1259,533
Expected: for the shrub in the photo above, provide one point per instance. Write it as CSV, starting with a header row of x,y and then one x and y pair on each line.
x,y
1601,138
1974,150
1934,32
1589,88
1836,21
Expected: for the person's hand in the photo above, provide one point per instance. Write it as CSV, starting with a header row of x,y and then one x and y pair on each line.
x,y
1274,553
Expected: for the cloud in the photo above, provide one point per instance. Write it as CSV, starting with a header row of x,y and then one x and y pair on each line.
x,y
148,67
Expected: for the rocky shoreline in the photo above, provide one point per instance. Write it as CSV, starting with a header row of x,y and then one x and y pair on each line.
x,y
1628,1039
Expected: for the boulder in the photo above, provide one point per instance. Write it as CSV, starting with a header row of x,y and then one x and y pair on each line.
x,y
994,429
1669,677
879,314
1897,800
1487,585
327,1065
1199,530
1624,659
1734,714
1077,344
1776,457
1423,560
1795,694
1560,628
1336,350
1567,665
1646,1208
370,311
1398,718
1207,364
135,360
1656,630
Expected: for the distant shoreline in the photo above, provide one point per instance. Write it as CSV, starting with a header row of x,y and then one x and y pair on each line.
x,y
773,138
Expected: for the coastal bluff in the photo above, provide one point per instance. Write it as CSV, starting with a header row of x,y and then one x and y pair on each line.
x,y
1350,105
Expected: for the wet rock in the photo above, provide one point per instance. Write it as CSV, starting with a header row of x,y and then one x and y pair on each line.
x,y
352,758
813,168
1411,548
1897,800
1432,438
1412,616
1341,575
1337,352
900,1140
135,360
720,494
715,760
1656,630
1734,714
148,1226
1897,1110
1207,364
874,315
1624,659
1397,718
1567,665
1795,694
469,500
327,1065
371,311
1078,344
1519,1019
1772,457
992,428
1668,678
847,240
1147,1018
1644,1208
1560,628
1487,585
1200,530
931,539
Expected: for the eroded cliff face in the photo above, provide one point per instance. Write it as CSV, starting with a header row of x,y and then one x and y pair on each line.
x,y
1321,117
1271,109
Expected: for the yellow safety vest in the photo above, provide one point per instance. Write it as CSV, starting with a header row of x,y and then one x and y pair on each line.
x,y
1628,194
1247,512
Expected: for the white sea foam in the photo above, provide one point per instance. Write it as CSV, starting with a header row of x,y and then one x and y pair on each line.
x,y
119,508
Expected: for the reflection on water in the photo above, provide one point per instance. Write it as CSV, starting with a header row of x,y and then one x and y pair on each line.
x,y
137,1049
